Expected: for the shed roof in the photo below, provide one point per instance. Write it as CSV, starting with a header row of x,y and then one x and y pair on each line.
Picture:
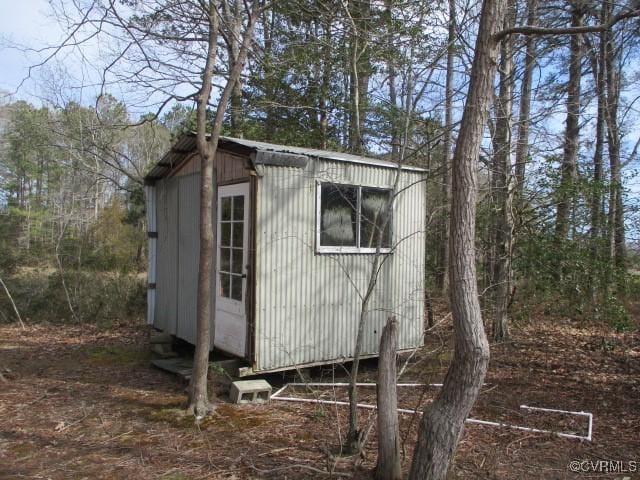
x,y
186,145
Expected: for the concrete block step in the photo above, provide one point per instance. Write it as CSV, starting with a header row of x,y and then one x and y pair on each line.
x,y
250,391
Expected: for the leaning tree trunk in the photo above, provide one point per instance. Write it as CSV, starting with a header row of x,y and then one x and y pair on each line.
x,y
443,421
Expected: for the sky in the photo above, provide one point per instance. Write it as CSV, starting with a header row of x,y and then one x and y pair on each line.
x,y
25,23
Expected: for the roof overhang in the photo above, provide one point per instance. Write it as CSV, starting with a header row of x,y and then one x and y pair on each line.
x,y
262,153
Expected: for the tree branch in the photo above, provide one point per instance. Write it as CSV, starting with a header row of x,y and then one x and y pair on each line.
x,y
532,30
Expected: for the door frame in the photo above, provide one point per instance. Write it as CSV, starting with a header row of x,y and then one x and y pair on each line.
x,y
238,308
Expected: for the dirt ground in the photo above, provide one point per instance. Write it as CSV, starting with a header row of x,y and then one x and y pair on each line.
x,y
77,402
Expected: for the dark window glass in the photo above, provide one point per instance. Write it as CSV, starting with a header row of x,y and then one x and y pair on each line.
x,y
225,285
236,260
238,208
225,234
225,259
338,204
238,230
236,287
373,210
225,209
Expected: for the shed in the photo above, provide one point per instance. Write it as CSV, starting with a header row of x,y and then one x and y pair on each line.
x,y
296,236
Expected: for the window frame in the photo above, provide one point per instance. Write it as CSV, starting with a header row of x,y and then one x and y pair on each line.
x,y
351,250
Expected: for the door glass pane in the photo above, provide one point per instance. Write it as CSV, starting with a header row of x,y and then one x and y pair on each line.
x,y
238,208
373,205
236,260
225,209
225,259
225,285
338,205
238,230
236,287
225,234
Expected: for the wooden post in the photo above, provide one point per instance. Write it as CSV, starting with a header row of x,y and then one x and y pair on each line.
x,y
388,467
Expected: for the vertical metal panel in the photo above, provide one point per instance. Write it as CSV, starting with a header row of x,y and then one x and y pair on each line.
x,y
187,252
167,265
161,270
150,195
309,304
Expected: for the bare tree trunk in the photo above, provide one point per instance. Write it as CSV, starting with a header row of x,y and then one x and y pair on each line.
x,y
199,404
522,146
598,65
234,20
359,75
353,438
616,208
325,84
391,70
443,271
503,221
389,466
15,309
572,133
443,421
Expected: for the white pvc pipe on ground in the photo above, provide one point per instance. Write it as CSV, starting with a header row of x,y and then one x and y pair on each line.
x,y
589,415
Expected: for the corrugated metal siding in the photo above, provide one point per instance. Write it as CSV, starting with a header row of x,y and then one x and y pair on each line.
x,y
178,226
188,248
150,194
167,265
308,304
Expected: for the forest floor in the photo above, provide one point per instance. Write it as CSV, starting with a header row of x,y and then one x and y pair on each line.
x,y
80,402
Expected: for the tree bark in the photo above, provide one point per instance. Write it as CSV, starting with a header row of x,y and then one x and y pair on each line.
x,y
388,466
598,65
234,20
360,72
616,207
199,403
443,421
443,271
522,146
568,168
325,86
501,175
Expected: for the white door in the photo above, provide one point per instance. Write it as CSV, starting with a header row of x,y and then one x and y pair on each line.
x,y
231,275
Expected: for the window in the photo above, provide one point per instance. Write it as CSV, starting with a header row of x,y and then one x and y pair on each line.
x,y
349,219
231,246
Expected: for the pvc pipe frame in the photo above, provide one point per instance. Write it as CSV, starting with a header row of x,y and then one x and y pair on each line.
x,y
588,415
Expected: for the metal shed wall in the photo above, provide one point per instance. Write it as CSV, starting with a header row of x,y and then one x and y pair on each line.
x,y
307,304
188,247
178,243
167,264
152,229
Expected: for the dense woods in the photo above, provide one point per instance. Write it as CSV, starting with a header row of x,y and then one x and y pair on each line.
x,y
530,138
556,213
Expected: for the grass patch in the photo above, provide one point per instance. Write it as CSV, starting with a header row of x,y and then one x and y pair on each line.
x,y
117,355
